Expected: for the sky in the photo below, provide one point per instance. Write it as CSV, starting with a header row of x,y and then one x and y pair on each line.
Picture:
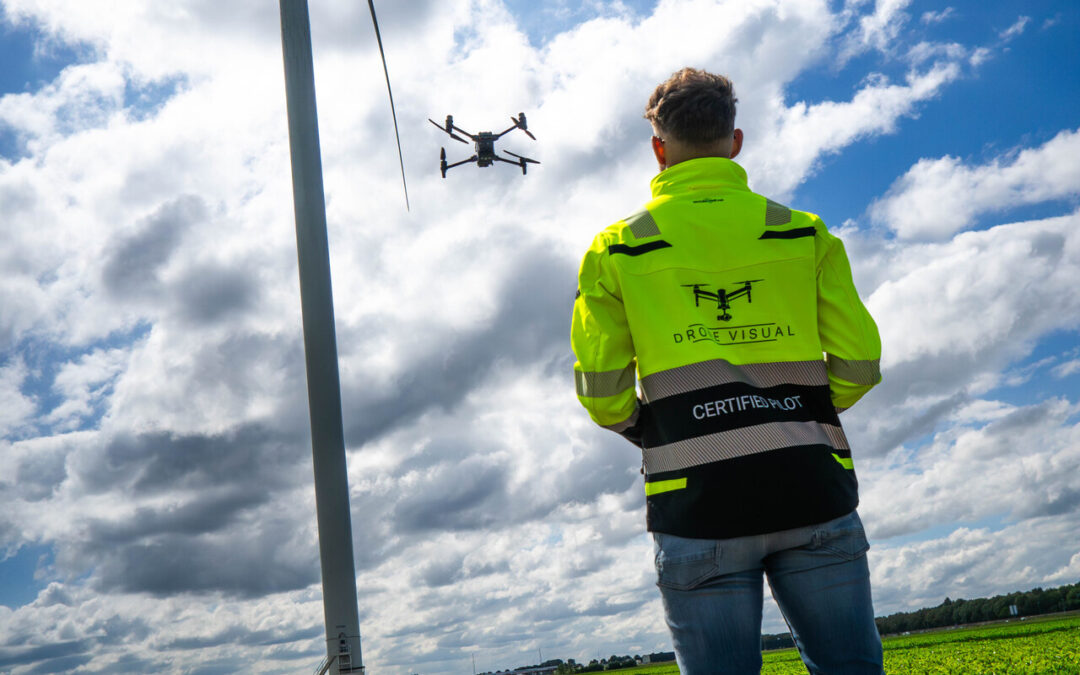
x,y
156,493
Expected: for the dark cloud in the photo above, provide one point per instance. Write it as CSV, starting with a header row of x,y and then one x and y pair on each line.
x,y
133,663
241,635
48,654
146,463
559,611
120,630
64,664
1049,245
1052,500
210,512
1021,419
899,429
469,496
210,293
131,268
442,572
247,562
39,472
218,531
531,324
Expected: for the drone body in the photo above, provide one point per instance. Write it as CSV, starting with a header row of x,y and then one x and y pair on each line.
x,y
484,145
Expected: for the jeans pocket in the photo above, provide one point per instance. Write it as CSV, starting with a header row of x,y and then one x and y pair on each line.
x,y
683,564
843,537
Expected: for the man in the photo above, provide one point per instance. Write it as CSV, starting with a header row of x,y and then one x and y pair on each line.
x,y
740,319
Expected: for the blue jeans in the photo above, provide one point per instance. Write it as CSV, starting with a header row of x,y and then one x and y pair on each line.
x,y
712,594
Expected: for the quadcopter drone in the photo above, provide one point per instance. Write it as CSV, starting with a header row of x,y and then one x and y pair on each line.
x,y
485,145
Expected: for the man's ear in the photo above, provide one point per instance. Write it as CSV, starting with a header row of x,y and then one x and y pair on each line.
x,y
659,150
736,143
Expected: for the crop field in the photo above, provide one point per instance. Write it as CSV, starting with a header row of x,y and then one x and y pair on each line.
x,y
1035,646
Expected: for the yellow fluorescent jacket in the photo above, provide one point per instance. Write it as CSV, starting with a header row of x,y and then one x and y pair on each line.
x,y
740,320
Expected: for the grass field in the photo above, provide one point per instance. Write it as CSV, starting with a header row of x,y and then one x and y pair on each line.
x,y
1035,646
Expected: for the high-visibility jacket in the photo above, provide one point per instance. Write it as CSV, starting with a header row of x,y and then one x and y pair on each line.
x,y
740,320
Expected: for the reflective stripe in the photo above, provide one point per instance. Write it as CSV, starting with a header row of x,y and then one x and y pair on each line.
x,y
741,442
858,372
685,379
642,224
619,427
606,383
776,214
659,486
845,462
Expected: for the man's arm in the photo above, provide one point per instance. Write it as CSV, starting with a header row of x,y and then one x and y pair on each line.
x,y
605,372
848,333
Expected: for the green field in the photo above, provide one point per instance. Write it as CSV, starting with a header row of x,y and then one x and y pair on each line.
x,y
1035,646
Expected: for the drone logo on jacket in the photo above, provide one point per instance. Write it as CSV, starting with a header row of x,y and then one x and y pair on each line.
x,y
725,334
722,298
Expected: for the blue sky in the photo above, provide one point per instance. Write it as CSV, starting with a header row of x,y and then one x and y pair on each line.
x,y
157,511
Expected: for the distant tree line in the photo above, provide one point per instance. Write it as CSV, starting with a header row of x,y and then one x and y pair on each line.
x,y
613,662
956,612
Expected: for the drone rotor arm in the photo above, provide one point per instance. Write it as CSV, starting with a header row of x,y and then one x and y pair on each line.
x,y
464,161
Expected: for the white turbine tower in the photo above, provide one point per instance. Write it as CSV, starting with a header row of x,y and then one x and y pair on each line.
x,y
320,348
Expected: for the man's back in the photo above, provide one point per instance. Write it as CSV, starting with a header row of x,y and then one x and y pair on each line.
x,y
725,301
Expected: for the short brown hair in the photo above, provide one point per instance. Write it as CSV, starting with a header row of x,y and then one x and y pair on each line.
x,y
695,106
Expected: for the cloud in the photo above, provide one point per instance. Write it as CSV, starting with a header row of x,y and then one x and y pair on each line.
x,y
1039,485
974,562
134,261
809,131
1016,29
954,316
878,29
16,408
84,386
1068,368
932,17
939,197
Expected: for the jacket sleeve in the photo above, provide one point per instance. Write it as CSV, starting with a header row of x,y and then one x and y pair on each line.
x,y
849,336
600,337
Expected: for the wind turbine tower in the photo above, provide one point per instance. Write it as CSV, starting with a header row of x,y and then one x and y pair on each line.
x,y
320,348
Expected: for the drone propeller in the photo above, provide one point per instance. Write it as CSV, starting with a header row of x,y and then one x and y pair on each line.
x,y
448,131
520,123
522,161
442,161
520,158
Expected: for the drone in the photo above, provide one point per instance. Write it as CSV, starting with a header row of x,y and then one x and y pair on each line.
x,y
485,145
722,297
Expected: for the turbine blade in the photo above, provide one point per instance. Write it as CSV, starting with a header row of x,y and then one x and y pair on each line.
x,y
386,72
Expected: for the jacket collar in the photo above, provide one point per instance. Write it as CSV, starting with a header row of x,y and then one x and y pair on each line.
x,y
694,174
